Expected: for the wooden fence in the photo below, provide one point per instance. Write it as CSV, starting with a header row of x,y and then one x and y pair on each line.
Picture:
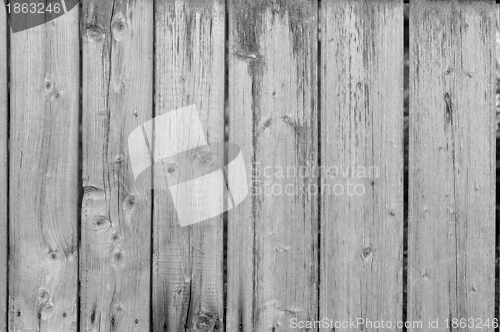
x,y
313,87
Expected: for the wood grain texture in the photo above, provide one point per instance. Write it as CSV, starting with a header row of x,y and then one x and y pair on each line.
x,y
116,212
272,239
452,162
43,205
188,261
3,169
362,162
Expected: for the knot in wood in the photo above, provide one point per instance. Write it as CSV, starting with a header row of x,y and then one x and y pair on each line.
x,y
118,309
203,322
56,95
119,260
119,28
101,222
43,296
48,85
367,252
95,33
172,168
204,159
54,255
116,237
119,158
129,202
46,311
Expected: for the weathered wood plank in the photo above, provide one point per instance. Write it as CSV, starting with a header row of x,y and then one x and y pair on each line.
x,y
188,261
362,162
272,239
44,108
116,212
3,169
452,162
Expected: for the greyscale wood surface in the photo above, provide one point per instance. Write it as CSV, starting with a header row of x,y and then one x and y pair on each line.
x,y
117,82
3,168
43,206
312,93
452,163
362,161
272,239
189,70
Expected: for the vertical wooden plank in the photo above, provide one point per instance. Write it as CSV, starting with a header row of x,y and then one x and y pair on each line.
x,y
116,212
272,239
3,169
240,296
362,163
43,206
452,163
188,261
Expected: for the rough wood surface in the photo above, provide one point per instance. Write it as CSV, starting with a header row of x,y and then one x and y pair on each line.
x,y
272,240
452,163
241,226
3,169
362,161
321,232
188,261
116,212
43,205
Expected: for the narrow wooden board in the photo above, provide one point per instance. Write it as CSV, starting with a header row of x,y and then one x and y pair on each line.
x,y
43,207
272,115
188,261
116,211
452,163
4,183
240,297
362,162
